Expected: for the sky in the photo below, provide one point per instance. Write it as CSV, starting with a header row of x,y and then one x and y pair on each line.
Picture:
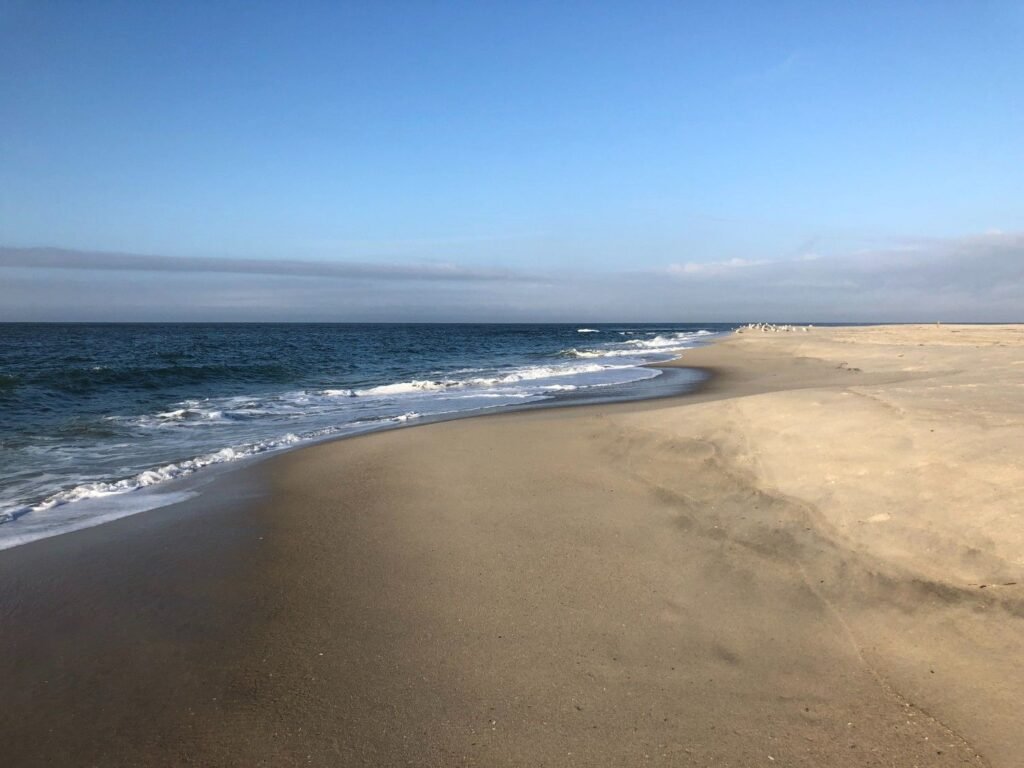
x,y
513,161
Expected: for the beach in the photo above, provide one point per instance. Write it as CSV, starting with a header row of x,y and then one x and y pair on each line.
x,y
815,559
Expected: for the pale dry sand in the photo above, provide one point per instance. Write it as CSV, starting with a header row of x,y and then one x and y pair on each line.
x,y
817,560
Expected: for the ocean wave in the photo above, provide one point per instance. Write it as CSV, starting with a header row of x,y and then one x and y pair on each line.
x,y
189,414
573,352
9,516
587,330
514,377
491,395
636,347
181,469
332,402
149,477
674,341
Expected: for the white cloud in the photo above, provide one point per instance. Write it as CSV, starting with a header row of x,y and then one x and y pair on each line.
x,y
712,267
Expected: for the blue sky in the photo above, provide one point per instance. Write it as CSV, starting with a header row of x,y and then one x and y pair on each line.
x,y
567,141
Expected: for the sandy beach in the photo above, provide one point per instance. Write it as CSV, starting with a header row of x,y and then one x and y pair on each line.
x,y
817,559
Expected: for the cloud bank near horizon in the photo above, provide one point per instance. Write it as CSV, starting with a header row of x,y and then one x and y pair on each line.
x,y
975,279
65,258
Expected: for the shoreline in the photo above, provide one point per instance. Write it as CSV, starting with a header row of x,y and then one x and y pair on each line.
x,y
243,477
676,581
673,381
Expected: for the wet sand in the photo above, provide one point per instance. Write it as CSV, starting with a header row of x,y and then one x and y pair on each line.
x,y
816,560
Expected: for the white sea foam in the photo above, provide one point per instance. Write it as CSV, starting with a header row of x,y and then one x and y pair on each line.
x,y
675,341
156,475
404,387
84,515
189,414
516,376
587,330
503,395
573,352
637,347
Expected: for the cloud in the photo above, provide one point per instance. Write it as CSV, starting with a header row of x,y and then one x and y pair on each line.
x,y
972,278
980,260
977,279
59,258
711,267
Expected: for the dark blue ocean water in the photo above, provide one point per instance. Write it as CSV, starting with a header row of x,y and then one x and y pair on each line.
x,y
98,421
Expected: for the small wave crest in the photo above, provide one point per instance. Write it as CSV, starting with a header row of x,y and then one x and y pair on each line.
x,y
189,414
675,341
149,477
513,377
573,352
635,347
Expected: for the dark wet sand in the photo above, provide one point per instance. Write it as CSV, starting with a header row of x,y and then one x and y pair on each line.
x,y
603,585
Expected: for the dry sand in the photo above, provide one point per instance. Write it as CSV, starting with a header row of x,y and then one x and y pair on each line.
x,y
817,560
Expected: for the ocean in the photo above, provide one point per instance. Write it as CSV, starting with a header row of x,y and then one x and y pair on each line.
x,y
98,421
